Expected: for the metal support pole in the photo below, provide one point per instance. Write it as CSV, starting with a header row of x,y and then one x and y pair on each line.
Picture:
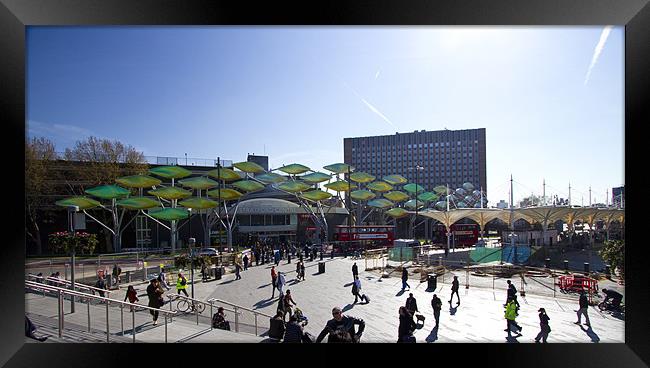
x,y
165,327
467,277
133,322
236,320
196,311
553,285
211,314
122,317
88,305
256,334
108,334
61,312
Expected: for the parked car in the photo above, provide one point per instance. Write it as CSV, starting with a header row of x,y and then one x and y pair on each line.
x,y
208,252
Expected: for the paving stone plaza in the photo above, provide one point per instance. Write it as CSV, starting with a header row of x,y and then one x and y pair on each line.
x,y
479,317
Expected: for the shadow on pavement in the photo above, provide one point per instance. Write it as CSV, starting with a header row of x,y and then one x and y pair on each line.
x,y
226,282
592,335
433,336
263,286
512,339
348,284
264,303
347,308
452,310
400,293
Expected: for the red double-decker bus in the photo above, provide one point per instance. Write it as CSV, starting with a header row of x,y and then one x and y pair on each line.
x,y
366,237
463,234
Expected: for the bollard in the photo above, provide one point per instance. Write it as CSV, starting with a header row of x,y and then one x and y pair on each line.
x,y
547,263
467,277
321,255
288,258
608,270
128,276
65,271
439,261
566,266
332,254
586,267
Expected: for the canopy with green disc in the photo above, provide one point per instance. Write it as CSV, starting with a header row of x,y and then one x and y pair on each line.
x,y
224,174
108,192
339,168
248,186
198,203
380,203
270,178
396,196
170,193
249,167
361,177
339,186
225,195
169,214
138,181
138,203
379,186
428,196
316,195
83,203
397,212
198,182
395,179
362,195
412,188
294,169
171,172
294,186
315,177
440,189
412,203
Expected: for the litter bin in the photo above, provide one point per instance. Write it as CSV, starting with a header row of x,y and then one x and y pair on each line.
x,y
217,273
432,281
586,267
321,267
547,263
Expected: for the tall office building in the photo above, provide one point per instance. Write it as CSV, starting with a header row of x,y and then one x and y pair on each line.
x,y
450,157
618,196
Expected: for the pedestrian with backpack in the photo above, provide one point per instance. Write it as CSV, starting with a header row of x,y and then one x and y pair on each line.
x,y
544,326
181,284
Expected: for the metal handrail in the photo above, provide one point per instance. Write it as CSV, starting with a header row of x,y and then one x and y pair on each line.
x,y
255,313
173,297
66,282
63,291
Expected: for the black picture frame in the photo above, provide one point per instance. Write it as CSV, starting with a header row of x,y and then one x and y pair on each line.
x,y
15,15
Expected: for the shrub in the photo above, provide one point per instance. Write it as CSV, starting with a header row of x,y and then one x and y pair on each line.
x,y
65,241
613,252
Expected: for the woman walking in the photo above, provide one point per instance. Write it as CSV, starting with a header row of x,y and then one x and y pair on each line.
x,y
543,324
406,326
155,293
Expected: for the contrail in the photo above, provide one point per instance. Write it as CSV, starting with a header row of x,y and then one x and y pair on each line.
x,y
370,106
598,50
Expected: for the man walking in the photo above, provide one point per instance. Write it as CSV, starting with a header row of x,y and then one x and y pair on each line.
x,y
162,279
280,282
454,290
344,324
181,284
405,277
245,262
355,271
411,304
274,280
512,294
543,324
584,305
237,270
510,316
436,304
356,290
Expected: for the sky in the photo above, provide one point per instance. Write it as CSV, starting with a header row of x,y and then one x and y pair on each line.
x,y
551,98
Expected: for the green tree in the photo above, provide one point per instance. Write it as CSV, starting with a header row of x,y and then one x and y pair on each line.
x,y
39,153
613,252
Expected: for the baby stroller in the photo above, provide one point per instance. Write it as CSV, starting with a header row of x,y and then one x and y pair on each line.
x,y
300,317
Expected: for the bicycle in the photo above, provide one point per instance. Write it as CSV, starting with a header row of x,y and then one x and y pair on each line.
x,y
184,305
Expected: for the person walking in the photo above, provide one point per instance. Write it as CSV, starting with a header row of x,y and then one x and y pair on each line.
x,y
356,291
132,295
155,295
287,304
281,282
274,280
584,306
455,285
510,316
116,274
343,325
406,326
181,284
298,275
436,304
162,278
276,255
512,294
204,272
355,271
237,271
405,277
100,284
544,326
302,271
245,259
411,304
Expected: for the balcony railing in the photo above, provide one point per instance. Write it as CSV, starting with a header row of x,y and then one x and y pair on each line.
x,y
182,161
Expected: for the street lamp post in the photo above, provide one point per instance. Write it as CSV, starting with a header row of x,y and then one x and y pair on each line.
x,y
416,168
71,211
191,241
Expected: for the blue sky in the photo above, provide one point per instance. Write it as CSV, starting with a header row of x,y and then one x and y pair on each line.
x,y
294,93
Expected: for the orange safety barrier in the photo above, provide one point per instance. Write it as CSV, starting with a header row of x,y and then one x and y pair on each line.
x,y
577,283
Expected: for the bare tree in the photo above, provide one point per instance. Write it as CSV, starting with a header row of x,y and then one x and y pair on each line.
x,y
39,153
100,162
